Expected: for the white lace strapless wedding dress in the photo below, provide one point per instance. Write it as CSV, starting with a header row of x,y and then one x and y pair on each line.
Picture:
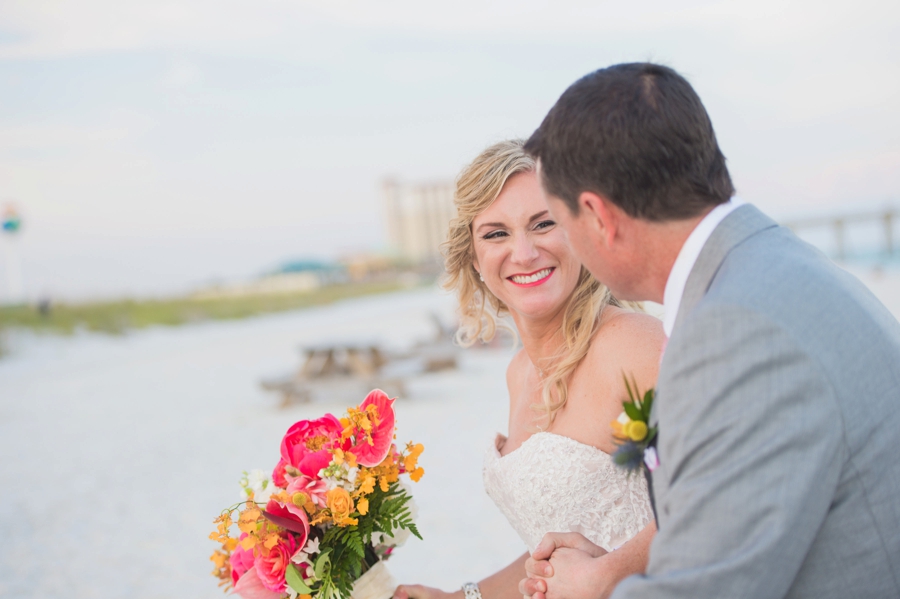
x,y
552,483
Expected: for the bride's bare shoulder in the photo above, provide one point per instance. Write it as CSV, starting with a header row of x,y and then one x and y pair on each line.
x,y
628,342
516,372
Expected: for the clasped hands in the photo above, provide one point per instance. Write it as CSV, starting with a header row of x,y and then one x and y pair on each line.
x,y
566,566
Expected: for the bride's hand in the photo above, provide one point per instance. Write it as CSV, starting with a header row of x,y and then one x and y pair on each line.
x,y
418,591
573,540
540,566
578,575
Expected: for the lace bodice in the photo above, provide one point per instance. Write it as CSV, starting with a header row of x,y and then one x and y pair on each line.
x,y
552,483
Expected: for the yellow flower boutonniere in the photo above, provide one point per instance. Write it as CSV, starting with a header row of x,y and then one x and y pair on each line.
x,y
633,431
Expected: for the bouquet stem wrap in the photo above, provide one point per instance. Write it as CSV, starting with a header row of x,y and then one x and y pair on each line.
x,y
376,583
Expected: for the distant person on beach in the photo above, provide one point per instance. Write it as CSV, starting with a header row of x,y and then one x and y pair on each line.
x,y
554,471
775,472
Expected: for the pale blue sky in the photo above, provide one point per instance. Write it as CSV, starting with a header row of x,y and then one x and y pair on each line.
x,y
153,146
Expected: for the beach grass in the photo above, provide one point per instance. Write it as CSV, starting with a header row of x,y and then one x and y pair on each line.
x,y
120,316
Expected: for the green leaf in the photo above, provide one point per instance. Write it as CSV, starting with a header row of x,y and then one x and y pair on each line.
x,y
647,403
323,561
631,394
295,580
632,411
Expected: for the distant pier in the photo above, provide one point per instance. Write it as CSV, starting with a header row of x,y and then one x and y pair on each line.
x,y
839,225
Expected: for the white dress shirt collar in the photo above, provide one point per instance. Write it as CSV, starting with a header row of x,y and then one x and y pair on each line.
x,y
687,257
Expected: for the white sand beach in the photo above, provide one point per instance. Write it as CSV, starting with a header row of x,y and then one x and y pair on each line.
x,y
118,452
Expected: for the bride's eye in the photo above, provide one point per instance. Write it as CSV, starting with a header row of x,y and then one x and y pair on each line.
x,y
544,224
495,235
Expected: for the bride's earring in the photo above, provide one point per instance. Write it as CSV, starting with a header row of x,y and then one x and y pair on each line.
x,y
481,276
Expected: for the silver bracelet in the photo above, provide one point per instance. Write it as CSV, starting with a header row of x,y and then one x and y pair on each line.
x,y
471,590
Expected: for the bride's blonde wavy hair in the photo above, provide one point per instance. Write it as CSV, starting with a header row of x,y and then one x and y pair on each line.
x,y
480,311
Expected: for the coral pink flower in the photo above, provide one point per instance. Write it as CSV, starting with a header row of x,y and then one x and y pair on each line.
x,y
305,447
251,587
372,453
278,475
297,523
241,561
315,489
272,564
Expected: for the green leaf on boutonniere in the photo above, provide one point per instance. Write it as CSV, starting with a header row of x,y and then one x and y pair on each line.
x,y
647,403
632,411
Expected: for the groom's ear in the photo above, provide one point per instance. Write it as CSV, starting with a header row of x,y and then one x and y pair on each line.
x,y
602,218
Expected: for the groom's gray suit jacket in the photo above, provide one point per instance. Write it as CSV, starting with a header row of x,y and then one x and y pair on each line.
x,y
778,405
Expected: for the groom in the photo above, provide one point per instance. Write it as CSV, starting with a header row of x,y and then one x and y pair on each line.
x,y
778,400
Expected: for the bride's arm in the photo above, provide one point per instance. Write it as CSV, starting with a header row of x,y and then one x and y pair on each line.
x,y
500,585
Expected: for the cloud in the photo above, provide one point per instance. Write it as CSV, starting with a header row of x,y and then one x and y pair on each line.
x,y
45,28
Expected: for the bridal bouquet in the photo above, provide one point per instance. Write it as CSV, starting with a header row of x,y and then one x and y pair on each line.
x,y
333,509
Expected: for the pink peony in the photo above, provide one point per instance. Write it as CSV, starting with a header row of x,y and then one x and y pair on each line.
x,y
372,453
241,561
305,447
271,565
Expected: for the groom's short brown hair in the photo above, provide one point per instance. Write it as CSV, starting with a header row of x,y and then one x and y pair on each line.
x,y
638,134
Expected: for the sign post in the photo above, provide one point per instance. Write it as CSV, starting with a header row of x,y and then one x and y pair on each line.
x,y
10,225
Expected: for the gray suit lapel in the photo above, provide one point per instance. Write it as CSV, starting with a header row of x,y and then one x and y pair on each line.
x,y
735,228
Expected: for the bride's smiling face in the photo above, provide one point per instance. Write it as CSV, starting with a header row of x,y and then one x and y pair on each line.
x,y
521,253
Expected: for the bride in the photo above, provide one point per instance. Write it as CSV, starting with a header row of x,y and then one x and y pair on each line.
x,y
554,472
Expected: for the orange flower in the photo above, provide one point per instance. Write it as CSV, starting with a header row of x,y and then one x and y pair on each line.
x,y
416,474
410,461
340,504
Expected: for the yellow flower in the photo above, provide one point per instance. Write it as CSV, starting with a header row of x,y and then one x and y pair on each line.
x,y
362,506
416,474
636,430
247,521
340,503
248,542
409,462
367,485
219,559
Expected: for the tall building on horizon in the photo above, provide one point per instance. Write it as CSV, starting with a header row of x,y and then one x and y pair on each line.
x,y
418,218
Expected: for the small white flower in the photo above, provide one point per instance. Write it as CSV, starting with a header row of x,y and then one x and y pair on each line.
x,y
258,479
291,592
351,474
258,482
312,546
623,418
300,557
651,458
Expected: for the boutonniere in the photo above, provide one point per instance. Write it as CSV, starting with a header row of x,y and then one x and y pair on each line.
x,y
633,433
